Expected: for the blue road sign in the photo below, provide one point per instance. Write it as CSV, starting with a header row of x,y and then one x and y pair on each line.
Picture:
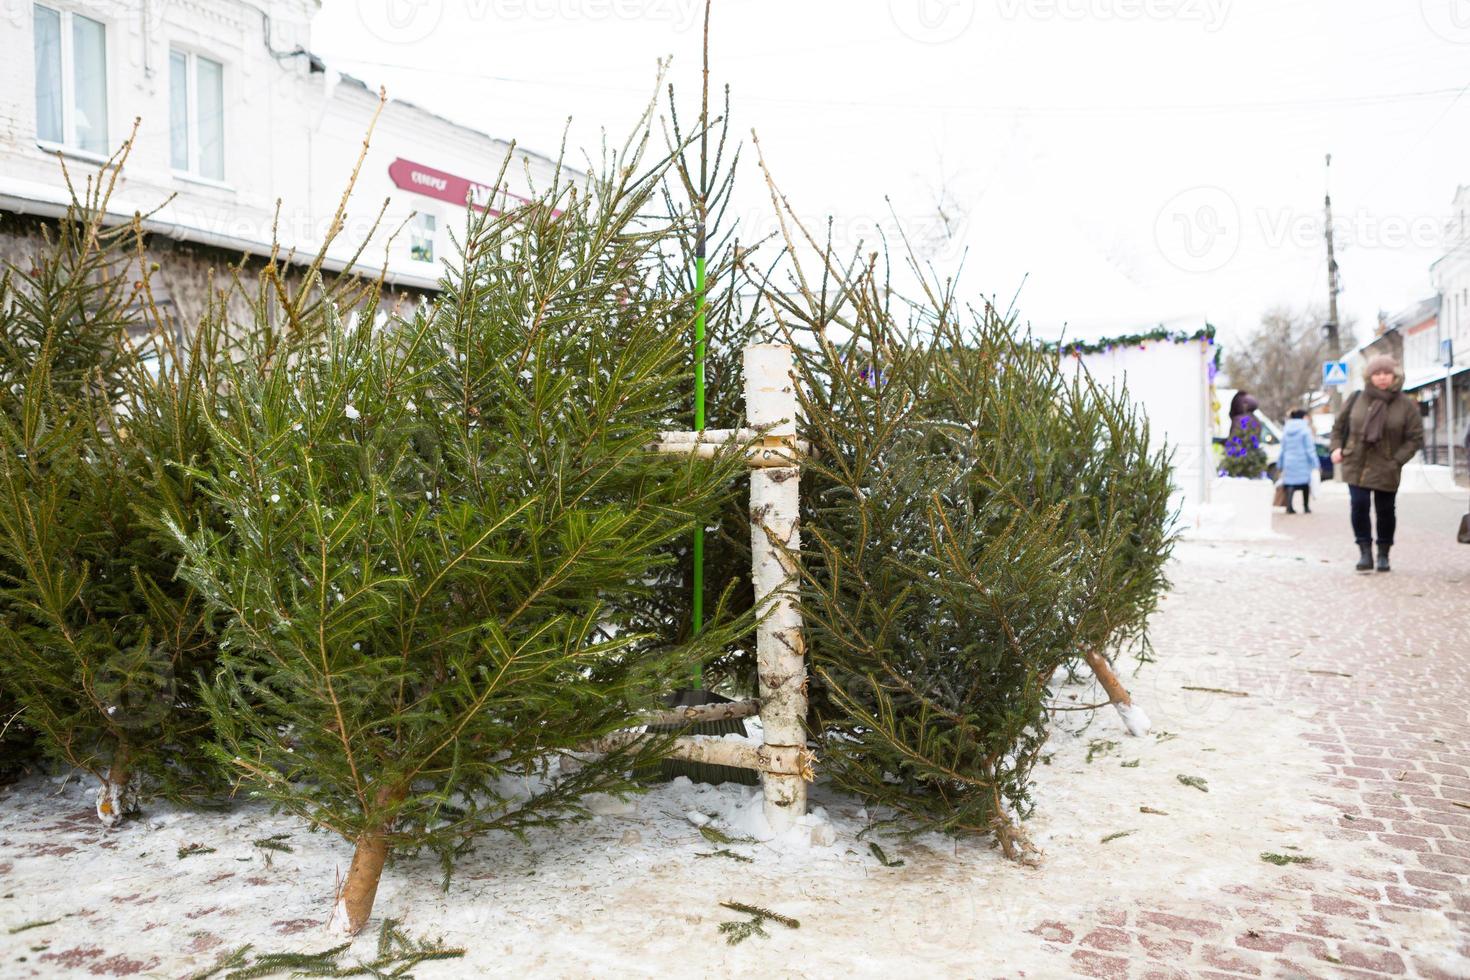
x,y
1334,373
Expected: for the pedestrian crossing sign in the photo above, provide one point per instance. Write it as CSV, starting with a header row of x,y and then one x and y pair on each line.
x,y
1334,373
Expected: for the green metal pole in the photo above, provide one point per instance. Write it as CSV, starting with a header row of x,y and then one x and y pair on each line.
x,y
698,604
697,610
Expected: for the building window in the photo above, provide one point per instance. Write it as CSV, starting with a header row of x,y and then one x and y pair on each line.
x,y
196,107
71,80
421,238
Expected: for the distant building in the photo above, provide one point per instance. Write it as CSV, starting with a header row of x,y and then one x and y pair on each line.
x,y
1451,277
1431,339
236,115
1417,334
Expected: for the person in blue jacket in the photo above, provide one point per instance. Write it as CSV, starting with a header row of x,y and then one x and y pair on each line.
x,y
1298,460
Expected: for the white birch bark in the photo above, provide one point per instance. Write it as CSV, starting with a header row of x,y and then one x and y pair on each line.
x,y
770,398
716,750
697,713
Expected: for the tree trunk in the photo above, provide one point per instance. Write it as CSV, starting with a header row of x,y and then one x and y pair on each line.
x,y
114,799
355,900
1134,718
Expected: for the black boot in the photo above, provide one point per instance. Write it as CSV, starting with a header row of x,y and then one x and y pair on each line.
x,y
1383,558
1365,557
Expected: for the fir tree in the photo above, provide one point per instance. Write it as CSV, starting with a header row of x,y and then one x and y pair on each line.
x,y
101,645
443,534
972,522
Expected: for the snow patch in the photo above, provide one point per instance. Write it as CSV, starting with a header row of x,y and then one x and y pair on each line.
x,y
1134,719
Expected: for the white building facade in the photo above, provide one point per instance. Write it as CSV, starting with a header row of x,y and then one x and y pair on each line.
x,y
1451,278
234,114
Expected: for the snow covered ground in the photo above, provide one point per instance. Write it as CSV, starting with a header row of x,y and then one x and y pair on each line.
x,y
637,890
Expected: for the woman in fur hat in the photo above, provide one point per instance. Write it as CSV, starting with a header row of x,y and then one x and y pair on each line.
x,y
1377,432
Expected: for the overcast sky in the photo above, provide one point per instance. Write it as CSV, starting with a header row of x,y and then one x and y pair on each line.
x,y
1120,162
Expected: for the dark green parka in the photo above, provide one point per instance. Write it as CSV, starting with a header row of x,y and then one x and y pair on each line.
x,y
1378,467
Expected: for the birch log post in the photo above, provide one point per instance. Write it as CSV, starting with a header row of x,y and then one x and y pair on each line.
x,y
770,404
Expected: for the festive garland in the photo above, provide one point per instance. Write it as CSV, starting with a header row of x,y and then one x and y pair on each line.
x,y
1139,340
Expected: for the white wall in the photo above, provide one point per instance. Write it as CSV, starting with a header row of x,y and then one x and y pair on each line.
x,y
1451,277
291,134
1170,385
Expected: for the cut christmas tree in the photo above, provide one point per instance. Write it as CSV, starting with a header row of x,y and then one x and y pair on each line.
x,y
443,534
973,522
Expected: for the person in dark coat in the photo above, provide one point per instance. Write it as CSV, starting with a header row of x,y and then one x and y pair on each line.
x,y
1244,403
1298,460
1377,432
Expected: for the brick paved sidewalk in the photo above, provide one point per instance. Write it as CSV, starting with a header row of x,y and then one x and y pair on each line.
x,y
1378,666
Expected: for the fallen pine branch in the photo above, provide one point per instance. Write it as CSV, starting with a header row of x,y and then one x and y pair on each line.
x,y
1197,782
737,932
883,859
1217,690
716,836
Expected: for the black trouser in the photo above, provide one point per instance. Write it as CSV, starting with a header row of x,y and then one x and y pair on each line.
x,y
1382,501
1292,488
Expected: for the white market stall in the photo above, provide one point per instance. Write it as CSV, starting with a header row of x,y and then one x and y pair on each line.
x,y
1168,372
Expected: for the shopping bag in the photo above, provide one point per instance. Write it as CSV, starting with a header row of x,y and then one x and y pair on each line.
x,y
1280,499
